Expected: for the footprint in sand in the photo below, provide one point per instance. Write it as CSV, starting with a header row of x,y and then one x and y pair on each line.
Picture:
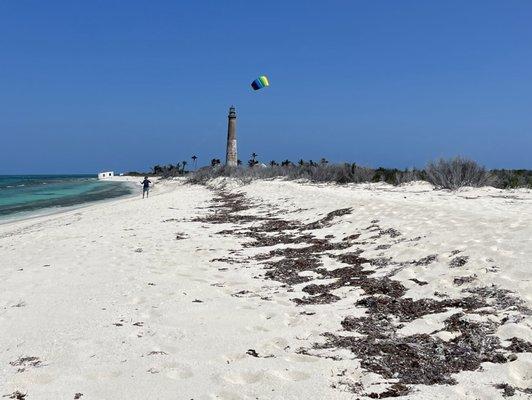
x,y
273,345
285,303
230,358
292,319
225,395
292,376
102,375
137,300
301,358
269,315
257,329
177,371
154,314
244,378
43,379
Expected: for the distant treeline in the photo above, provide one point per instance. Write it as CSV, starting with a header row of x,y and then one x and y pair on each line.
x,y
444,173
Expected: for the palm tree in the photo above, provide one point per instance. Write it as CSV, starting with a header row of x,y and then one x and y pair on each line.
x,y
323,161
238,162
286,163
253,160
301,162
194,158
184,164
273,163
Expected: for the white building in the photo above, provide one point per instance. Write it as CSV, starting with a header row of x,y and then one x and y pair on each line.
x,y
106,174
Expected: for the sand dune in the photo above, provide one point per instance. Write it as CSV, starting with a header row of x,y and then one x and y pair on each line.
x,y
189,294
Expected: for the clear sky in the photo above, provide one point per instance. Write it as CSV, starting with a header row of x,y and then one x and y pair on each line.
x,y
123,85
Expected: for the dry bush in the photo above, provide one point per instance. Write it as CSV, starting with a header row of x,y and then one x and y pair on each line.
x,y
455,173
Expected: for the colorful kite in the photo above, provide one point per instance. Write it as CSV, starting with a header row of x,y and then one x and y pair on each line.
x,y
260,82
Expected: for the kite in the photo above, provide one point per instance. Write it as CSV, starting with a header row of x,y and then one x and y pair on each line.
x,y
260,82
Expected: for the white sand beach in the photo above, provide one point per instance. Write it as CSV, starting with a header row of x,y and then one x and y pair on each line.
x,y
146,299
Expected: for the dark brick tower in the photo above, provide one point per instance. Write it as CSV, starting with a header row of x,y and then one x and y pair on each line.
x,y
231,154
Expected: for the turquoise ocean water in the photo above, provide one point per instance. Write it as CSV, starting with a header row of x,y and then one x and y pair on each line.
x,y
24,195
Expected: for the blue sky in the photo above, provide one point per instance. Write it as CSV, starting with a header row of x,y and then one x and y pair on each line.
x,y
123,85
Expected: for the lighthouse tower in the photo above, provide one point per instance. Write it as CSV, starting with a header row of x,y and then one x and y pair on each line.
x,y
231,155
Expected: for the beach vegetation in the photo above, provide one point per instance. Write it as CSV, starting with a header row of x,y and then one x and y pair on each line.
x,y
450,174
457,172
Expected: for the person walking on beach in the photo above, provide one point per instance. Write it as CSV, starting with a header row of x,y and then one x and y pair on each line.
x,y
146,187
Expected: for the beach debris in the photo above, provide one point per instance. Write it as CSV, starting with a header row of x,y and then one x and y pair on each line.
x,y
16,395
21,303
426,260
46,265
252,353
352,237
140,323
459,261
459,281
420,283
138,250
197,301
501,299
157,353
507,390
25,362
242,293
180,236
519,346
77,396
391,232
326,221
396,390
151,284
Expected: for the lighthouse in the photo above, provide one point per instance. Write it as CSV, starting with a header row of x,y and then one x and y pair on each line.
x,y
231,155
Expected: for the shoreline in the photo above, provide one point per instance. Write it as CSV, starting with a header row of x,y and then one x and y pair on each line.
x,y
49,211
